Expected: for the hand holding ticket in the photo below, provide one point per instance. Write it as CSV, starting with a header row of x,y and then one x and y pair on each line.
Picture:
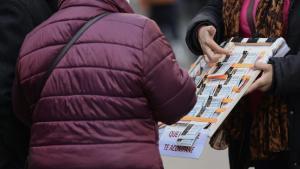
x,y
221,86
265,81
211,50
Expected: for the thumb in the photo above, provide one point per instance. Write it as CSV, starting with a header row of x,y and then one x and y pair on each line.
x,y
261,66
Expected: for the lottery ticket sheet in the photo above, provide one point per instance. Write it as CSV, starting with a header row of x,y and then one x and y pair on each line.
x,y
220,87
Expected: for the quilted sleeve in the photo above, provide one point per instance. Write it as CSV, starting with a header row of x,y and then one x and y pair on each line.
x,y
170,90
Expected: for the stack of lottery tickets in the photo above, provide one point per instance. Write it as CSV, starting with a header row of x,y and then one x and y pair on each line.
x,y
220,86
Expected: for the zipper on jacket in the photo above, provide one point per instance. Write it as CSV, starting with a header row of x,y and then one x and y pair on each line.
x,y
250,18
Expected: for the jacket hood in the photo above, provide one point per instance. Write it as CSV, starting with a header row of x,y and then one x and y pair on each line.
x,y
121,6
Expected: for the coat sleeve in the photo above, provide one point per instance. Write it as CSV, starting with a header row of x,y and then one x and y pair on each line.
x,y
286,75
210,14
14,25
170,90
20,104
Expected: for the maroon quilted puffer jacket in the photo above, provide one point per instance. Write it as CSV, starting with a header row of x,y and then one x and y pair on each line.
x,y
100,107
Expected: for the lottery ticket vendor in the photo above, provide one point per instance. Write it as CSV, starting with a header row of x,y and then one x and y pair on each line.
x,y
257,131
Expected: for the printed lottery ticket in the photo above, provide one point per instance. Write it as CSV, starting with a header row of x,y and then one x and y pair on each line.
x,y
209,89
191,131
250,59
216,102
208,112
198,80
213,82
225,91
215,115
235,80
186,142
189,135
201,101
221,70
240,71
233,58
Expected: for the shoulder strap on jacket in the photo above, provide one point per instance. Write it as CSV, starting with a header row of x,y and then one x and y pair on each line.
x,y
66,48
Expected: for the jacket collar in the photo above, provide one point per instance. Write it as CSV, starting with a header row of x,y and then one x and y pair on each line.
x,y
114,6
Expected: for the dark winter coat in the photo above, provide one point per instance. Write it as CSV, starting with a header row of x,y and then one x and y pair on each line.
x,y
17,18
101,105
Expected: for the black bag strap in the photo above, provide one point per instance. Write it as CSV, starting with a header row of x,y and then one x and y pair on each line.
x,y
40,86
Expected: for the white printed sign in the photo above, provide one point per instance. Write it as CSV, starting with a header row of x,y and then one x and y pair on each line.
x,y
168,145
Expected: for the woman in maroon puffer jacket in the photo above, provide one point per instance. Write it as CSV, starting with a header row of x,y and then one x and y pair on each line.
x,y
100,107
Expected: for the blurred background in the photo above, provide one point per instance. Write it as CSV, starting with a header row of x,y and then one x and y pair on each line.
x,y
173,17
